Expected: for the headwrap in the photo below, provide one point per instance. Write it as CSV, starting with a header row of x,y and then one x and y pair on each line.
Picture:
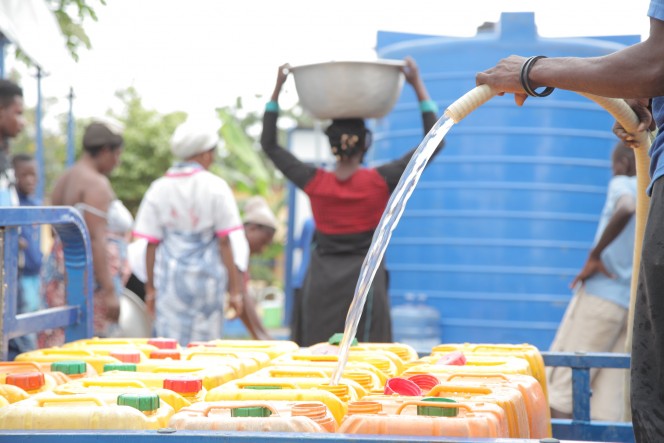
x,y
103,132
194,137
348,136
258,212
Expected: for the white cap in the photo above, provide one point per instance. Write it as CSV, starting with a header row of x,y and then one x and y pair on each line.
x,y
194,137
257,211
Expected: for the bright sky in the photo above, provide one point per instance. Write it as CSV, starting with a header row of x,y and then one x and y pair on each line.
x,y
195,55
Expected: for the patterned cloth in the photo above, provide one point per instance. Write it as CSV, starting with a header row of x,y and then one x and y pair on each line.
x,y
53,286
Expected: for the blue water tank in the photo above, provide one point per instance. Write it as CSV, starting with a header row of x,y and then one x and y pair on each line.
x,y
503,219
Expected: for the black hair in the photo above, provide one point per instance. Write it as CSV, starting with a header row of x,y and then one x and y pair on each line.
x,y
21,158
8,92
358,137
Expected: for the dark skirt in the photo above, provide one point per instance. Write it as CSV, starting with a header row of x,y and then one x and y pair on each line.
x,y
328,289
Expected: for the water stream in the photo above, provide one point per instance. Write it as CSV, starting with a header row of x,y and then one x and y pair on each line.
x,y
381,238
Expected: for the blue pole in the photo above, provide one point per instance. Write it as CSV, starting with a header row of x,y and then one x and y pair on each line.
x,y
3,44
39,139
71,153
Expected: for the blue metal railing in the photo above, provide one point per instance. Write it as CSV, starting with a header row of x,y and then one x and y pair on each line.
x,y
76,315
581,427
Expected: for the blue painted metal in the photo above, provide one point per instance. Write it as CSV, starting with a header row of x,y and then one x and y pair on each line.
x,y
288,253
3,45
71,147
76,316
502,219
39,139
580,427
227,437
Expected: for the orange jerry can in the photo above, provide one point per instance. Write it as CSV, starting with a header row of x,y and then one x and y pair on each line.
x,y
255,416
511,400
435,417
525,351
539,415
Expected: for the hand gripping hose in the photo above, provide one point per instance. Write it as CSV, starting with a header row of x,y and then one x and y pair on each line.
x,y
621,111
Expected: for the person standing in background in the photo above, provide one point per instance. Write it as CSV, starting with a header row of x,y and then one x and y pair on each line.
x,y
596,317
86,187
30,255
260,225
30,258
347,204
11,125
186,217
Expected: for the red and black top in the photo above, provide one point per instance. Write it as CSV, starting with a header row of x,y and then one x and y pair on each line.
x,y
340,207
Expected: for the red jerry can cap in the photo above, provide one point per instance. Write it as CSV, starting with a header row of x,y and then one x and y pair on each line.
x,y
164,343
127,355
28,381
183,384
165,353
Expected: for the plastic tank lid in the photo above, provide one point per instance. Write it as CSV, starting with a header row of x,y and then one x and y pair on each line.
x,y
433,411
255,411
129,367
126,355
69,367
28,381
142,402
183,384
163,343
337,337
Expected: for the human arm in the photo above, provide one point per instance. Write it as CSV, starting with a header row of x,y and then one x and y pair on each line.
x,y
249,317
234,280
295,170
150,293
98,197
625,208
393,170
633,72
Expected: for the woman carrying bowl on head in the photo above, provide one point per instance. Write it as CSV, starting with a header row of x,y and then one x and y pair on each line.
x,y
347,204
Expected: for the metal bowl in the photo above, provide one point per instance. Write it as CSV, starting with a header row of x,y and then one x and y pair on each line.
x,y
134,320
349,89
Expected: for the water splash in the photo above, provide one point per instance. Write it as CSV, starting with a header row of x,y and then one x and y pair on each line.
x,y
383,233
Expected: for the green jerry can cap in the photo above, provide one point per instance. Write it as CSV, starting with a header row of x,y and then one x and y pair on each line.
x,y
69,367
252,411
129,367
142,402
336,339
433,411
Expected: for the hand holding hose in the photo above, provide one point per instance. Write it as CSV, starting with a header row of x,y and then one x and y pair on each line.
x,y
641,108
505,77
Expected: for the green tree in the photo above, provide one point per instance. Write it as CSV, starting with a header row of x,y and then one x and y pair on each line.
x,y
71,14
147,152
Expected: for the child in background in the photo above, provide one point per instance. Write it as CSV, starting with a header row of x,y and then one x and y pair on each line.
x,y
30,255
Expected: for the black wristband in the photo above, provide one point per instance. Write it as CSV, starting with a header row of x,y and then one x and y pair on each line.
x,y
525,81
